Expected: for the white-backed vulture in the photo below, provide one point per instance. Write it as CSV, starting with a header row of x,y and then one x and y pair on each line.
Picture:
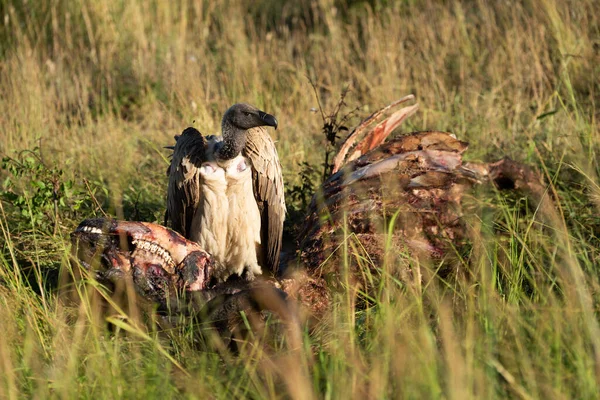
x,y
226,192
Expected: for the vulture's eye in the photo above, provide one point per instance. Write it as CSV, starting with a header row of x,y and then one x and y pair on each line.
x,y
247,114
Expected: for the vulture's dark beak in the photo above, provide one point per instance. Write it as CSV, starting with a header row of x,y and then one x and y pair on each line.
x,y
268,119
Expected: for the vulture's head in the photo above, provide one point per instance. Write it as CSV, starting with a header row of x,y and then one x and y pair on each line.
x,y
238,119
244,116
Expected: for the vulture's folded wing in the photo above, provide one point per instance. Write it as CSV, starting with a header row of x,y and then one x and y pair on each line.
x,y
269,193
183,194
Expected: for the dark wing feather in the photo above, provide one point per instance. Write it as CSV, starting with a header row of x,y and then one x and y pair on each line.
x,y
183,194
269,194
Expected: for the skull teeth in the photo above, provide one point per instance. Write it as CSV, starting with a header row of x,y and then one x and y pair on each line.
x,y
91,229
155,249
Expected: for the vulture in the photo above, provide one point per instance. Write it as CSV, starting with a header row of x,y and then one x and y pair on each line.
x,y
226,193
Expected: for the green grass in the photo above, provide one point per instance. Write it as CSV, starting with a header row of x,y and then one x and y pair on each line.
x,y
90,91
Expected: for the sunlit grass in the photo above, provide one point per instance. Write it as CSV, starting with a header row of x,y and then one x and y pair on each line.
x,y
100,87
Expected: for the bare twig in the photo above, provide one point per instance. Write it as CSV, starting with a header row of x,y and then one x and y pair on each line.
x,y
316,96
94,198
331,125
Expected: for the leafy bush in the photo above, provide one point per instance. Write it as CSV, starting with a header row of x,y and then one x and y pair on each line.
x,y
40,195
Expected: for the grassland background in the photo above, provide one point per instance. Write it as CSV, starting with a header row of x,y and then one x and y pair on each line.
x,y
98,87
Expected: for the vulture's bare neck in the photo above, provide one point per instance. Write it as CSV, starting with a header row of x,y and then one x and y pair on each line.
x,y
234,140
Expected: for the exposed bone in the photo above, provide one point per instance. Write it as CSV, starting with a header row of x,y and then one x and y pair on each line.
x,y
382,131
142,241
349,141
155,249
90,229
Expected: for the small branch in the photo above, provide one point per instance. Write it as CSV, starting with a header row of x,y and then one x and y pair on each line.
x,y
316,96
94,198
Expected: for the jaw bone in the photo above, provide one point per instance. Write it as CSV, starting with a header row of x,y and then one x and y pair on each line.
x,y
158,259
163,265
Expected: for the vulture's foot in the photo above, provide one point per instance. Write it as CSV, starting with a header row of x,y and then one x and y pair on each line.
x,y
248,275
